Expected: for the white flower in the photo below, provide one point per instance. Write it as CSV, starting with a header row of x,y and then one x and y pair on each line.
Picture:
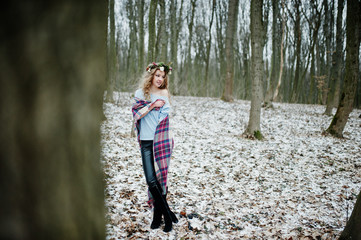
x,y
170,72
149,70
161,68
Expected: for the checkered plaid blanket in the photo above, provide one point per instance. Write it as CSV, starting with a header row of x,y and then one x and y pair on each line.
x,y
162,144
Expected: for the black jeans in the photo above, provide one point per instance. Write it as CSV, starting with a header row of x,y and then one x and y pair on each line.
x,y
148,162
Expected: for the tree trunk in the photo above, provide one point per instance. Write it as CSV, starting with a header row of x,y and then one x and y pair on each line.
x,y
53,73
163,32
247,70
275,60
206,80
111,58
176,24
336,71
353,226
221,17
328,31
188,62
132,49
312,92
141,63
352,69
275,94
254,126
230,35
151,31
298,38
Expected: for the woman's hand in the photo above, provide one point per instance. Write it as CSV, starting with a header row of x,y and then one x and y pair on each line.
x,y
158,104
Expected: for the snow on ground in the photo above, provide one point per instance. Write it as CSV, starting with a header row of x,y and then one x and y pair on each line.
x,y
294,184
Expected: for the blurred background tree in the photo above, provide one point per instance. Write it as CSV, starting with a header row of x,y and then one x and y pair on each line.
x,y
53,70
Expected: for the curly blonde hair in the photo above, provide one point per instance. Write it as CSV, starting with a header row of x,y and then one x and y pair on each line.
x,y
147,83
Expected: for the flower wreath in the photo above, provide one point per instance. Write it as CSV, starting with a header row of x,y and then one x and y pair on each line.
x,y
161,66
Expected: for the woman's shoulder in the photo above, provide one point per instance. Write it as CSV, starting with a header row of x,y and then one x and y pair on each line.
x,y
163,92
139,93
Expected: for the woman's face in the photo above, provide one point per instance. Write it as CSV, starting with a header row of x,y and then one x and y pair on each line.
x,y
158,78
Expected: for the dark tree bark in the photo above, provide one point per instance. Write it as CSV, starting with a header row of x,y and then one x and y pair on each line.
x,y
111,58
254,123
151,31
315,24
298,38
353,226
230,35
163,41
206,80
53,73
328,33
336,70
352,70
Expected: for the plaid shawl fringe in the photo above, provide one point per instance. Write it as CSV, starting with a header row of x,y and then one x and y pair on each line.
x,y
162,144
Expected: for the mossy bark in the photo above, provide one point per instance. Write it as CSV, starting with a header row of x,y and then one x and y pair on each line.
x,y
53,71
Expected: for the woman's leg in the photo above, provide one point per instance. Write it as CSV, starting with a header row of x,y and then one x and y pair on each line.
x,y
148,162
151,178
154,186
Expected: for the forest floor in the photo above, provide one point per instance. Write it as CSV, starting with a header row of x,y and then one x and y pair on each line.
x,y
294,184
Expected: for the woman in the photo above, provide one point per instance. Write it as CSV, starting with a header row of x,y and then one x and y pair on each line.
x,y
150,111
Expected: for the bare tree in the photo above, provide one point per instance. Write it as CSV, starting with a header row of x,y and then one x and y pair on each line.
x,y
276,51
298,40
314,22
53,73
188,62
254,123
141,62
175,27
111,55
336,70
206,80
151,30
230,35
163,31
352,70
275,94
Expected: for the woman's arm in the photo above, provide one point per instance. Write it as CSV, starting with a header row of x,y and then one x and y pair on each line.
x,y
157,104
164,111
141,112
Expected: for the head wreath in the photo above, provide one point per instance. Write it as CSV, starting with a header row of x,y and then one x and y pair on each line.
x,y
161,66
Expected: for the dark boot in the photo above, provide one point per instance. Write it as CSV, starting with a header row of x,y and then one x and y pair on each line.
x,y
157,217
163,206
172,215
